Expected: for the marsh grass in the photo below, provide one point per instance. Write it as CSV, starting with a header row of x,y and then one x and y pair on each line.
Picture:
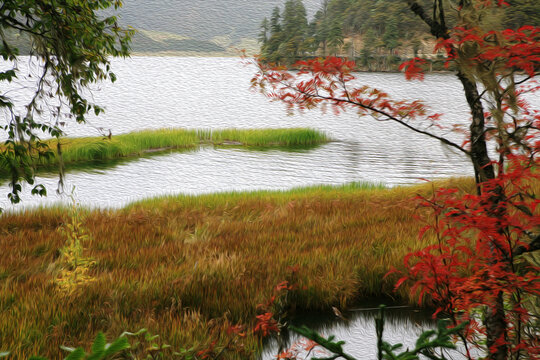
x,y
263,137
185,267
88,149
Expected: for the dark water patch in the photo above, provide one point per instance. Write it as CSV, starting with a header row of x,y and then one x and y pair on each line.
x,y
99,166
403,324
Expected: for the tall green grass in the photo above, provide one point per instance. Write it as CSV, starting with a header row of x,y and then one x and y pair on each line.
x,y
264,137
78,150
132,144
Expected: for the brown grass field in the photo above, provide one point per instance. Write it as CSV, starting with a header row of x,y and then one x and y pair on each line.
x,y
188,267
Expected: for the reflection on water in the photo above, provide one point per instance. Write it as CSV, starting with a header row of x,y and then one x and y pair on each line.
x,y
100,166
95,166
402,325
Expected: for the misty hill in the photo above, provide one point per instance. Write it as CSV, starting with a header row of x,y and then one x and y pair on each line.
x,y
209,26
154,41
202,19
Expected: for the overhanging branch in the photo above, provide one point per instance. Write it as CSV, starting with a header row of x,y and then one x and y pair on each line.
x,y
348,100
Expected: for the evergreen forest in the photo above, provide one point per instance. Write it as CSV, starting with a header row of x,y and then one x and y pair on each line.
x,y
378,34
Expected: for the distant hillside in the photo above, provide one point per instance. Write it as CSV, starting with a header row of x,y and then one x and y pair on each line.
x,y
146,41
206,26
219,26
202,19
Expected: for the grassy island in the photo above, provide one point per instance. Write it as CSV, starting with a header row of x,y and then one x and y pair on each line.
x,y
189,267
86,149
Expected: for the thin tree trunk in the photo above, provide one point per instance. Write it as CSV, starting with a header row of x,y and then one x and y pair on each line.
x,y
483,169
495,317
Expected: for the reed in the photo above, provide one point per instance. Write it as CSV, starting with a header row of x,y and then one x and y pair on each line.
x,y
263,137
182,265
76,150
87,149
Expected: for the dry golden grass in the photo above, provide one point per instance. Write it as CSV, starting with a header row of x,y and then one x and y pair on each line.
x,y
180,266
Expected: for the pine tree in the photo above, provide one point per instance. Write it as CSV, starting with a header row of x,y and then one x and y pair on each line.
x,y
265,29
269,51
275,25
335,36
366,52
321,29
391,35
294,25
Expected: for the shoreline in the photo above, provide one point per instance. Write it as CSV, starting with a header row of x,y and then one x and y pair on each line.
x,y
130,145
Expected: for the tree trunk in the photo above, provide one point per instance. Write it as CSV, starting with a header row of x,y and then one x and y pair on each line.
x,y
483,169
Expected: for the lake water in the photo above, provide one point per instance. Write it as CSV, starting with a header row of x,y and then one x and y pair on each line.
x,y
212,93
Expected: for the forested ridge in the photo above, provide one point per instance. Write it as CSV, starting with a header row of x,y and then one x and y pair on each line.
x,y
379,34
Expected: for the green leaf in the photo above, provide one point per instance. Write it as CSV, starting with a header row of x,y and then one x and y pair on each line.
x,y
99,343
8,75
118,345
78,354
96,356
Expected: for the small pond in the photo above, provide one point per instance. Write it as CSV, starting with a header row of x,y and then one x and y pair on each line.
x,y
402,325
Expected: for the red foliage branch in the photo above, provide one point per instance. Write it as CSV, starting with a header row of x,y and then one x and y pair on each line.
x,y
413,68
330,82
272,313
474,262
266,324
506,50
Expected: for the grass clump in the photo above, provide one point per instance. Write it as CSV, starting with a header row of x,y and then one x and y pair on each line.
x,y
185,266
263,137
226,197
87,149
133,144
